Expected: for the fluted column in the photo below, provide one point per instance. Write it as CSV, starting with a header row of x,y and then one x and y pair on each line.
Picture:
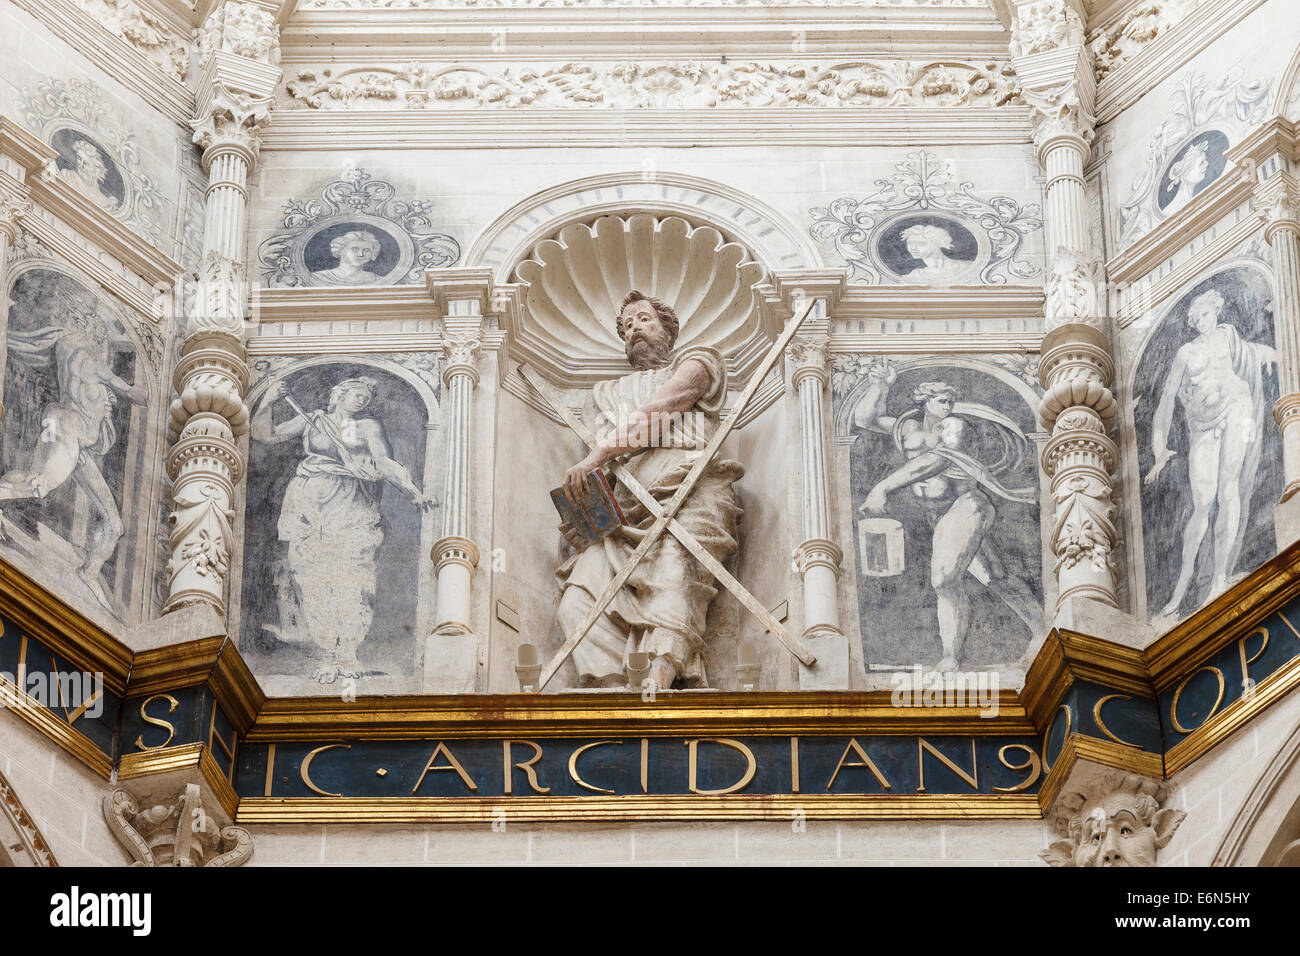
x,y
1281,202
455,556
1075,369
239,47
817,557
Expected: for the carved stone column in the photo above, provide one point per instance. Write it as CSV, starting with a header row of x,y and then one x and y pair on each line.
x,y
451,651
239,45
1076,370
817,557
1281,201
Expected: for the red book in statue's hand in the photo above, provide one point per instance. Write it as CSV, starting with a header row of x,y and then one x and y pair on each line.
x,y
595,514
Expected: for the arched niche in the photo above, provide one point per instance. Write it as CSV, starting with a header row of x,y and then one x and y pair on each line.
x,y
1288,92
576,249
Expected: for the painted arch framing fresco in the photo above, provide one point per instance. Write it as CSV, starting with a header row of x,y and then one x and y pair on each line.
x,y
342,507
936,465
81,444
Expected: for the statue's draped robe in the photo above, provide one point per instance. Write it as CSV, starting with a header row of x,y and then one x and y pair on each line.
x,y
662,608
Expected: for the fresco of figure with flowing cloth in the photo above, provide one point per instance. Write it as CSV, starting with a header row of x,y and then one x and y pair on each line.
x,y
77,428
1218,381
953,476
330,521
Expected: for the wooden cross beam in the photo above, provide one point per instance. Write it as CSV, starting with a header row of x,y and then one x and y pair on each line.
x,y
666,514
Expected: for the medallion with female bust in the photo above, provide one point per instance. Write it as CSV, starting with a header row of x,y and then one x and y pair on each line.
x,y
1195,166
929,250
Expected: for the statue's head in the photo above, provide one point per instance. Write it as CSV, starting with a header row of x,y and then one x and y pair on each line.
x,y
1116,822
648,327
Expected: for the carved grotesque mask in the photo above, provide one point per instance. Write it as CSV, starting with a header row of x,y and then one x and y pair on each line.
x,y
1119,824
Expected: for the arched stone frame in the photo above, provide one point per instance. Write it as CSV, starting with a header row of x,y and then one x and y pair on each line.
x,y
844,436
21,842
1287,103
431,520
1266,830
1128,488
771,237
148,429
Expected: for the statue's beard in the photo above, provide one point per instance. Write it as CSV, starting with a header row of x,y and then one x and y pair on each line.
x,y
644,353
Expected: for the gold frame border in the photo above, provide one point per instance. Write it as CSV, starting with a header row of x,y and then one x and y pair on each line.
x,y
184,757
539,809
61,732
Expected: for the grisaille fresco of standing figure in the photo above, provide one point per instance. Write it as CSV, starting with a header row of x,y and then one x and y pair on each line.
x,y
958,494
330,519
76,429
1218,380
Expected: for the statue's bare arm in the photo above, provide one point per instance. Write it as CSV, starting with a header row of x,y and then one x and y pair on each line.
x,y
679,394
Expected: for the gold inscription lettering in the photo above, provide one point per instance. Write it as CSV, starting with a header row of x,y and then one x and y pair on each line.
x,y
573,765
452,764
1101,725
1247,661
526,765
1173,707
158,721
1032,764
794,764
924,746
305,770
693,767
862,761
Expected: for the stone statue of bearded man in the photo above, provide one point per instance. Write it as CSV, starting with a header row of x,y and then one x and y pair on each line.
x,y
656,420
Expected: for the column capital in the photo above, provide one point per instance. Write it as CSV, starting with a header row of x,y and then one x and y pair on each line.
x,y
14,205
454,549
1056,73
230,121
816,552
461,348
1278,203
808,355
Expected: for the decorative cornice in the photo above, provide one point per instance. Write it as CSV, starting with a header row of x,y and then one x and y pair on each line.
x,y
688,84
400,129
1171,50
1115,43
166,45
119,57
499,4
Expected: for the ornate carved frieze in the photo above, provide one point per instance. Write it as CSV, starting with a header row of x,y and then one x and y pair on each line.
x,y
887,236
243,29
1045,26
357,233
456,4
148,35
1117,42
680,85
